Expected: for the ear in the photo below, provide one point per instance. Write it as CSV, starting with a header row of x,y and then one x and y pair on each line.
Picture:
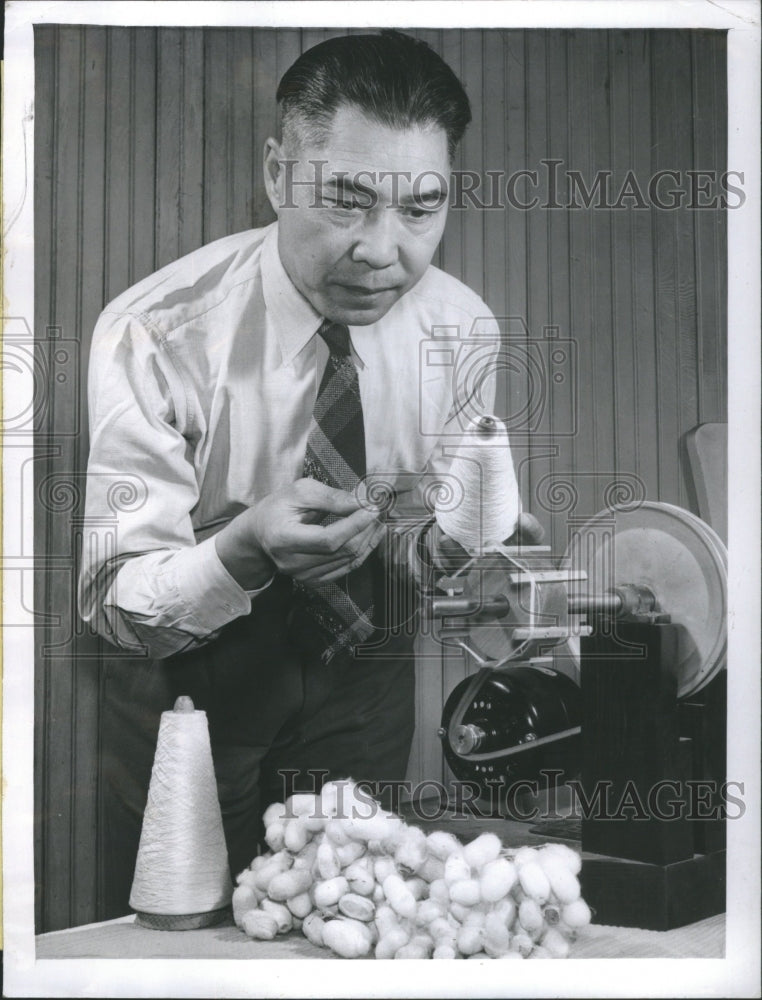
x,y
274,174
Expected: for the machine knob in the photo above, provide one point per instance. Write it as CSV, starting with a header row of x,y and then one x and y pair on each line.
x,y
467,738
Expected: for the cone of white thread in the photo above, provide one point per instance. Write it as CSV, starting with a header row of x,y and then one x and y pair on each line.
x,y
182,879
483,510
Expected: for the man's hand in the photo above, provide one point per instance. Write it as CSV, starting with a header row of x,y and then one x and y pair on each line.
x,y
281,534
449,556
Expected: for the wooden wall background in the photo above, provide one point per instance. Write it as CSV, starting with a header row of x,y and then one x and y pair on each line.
x,y
148,144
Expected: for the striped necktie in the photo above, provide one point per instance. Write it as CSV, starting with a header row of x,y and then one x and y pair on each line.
x,y
335,455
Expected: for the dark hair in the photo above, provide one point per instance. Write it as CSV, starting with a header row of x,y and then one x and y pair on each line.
x,y
395,79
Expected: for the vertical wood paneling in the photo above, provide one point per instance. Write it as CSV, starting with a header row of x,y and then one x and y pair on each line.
x,y
148,143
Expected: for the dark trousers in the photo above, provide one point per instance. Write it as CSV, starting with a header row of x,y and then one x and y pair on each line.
x,y
279,719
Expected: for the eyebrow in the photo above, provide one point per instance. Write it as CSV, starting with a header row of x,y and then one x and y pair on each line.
x,y
345,185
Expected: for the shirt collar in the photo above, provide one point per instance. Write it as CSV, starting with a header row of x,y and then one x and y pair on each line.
x,y
293,319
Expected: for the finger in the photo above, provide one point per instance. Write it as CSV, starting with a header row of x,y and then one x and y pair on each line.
x,y
528,531
314,495
326,539
347,559
335,569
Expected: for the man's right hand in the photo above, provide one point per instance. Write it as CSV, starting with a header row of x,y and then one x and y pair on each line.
x,y
282,534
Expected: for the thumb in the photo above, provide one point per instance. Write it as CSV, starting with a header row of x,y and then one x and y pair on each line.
x,y
317,496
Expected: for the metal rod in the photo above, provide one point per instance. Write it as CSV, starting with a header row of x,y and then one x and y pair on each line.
x,y
580,604
497,607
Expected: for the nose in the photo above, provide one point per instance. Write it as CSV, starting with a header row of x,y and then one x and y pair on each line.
x,y
377,244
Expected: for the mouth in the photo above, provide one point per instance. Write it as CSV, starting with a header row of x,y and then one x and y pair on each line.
x,y
364,292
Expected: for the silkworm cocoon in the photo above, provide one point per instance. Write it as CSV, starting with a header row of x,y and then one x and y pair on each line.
x,y
511,954
411,850
576,914
530,916
306,857
378,894
301,905
424,941
390,943
303,804
563,884
459,912
327,862
288,884
314,824
347,853
428,910
540,952
497,937
431,869
566,854
555,943
281,914
497,879
336,832
380,826
474,918
456,868
357,907
485,848
465,891
260,925
247,877
312,928
470,940
278,863
441,929
534,882
399,896
439,891
442,844
275,811
347,799
386,919
383,867
245,898
275,835
328,797
258,862
414,951
525,854
523,944
478,957
444,951
360,877
295,836
418,887
329,892
348,938
506,909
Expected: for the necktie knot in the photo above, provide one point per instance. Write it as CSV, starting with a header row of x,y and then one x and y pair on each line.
x,y
336,336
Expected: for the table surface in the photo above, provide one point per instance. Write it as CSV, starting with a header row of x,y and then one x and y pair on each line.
x,y
123,938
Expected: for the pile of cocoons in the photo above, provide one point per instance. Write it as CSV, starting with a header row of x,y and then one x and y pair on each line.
x,y
359,881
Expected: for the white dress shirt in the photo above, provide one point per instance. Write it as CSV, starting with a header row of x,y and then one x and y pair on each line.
x,y
203,378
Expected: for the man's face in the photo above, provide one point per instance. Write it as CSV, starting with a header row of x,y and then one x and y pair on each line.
x,y
359,230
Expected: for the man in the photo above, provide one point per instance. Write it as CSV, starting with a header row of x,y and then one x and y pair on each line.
x,y
253,388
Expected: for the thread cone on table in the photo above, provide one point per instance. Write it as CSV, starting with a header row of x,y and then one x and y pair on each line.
x,y
182,878
483,511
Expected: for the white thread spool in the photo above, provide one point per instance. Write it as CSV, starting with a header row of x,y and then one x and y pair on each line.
x,y
182,879
488,506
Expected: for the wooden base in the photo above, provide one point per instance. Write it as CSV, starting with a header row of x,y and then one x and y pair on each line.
x,y
183,921
654,897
